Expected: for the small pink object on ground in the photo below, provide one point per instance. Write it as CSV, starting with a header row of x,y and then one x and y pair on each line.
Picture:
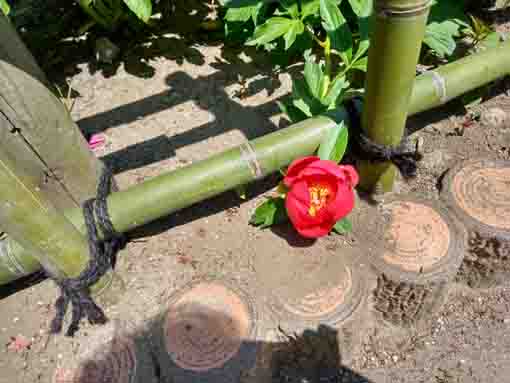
x,y
96,141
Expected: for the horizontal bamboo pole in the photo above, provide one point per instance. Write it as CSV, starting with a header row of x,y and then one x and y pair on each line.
x,y
450,81
176,190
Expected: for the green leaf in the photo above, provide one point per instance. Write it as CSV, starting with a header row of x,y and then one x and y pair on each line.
x,y
314,77
258,13
303,106
440,38
343,226
334,144
270,212
445,20
242,14
293,113
361,64
4,6
291,6
362,9
270,30
339,84
141,8
296,29
304,100
338,31
310,8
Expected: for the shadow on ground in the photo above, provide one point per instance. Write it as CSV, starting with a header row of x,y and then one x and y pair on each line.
x,y
194,343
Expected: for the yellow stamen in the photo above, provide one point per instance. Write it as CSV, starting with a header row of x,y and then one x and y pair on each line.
x,y
318,198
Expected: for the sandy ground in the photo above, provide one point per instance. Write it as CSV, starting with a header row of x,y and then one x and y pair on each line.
x,y
193,106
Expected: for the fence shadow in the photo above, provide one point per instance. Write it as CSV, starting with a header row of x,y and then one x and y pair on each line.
x,y
195,343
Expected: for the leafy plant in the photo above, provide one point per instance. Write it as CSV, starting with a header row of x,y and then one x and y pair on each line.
x,y
479,31
289,24
446,19
449,22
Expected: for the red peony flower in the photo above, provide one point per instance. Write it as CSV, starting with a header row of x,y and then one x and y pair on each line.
x,y
320,194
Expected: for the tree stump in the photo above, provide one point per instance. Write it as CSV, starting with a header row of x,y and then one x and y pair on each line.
x,y
311,284
208,333
116,353
477,192
422,249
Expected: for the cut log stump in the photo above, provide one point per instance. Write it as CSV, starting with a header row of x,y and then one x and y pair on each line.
x,y
115,353
422,249
208,333
477,192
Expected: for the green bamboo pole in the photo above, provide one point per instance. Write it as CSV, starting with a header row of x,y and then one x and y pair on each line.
x,y
450,81
169,192
393,55
176,190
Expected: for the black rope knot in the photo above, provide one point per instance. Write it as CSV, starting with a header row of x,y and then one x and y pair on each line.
x,y
102,258
401,156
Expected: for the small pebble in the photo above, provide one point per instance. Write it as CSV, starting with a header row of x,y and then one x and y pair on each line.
x,y
420,143
395,358
15,319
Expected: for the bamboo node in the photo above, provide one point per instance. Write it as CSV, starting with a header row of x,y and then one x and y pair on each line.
x,y
440,86
410,10
9,260
249,155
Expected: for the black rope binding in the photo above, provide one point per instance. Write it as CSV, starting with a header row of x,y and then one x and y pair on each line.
x,y
102,258
403,158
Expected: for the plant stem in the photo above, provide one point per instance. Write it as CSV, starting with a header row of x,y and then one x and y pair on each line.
x,y
315,38
327,69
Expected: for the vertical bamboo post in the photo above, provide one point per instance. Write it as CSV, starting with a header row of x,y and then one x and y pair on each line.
x,y
394,51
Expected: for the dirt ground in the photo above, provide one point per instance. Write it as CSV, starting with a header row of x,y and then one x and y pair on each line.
x,y
194,105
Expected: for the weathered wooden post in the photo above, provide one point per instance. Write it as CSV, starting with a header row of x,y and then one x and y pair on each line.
x,y
45,164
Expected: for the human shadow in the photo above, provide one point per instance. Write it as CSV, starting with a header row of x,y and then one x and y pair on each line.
x,y
193,342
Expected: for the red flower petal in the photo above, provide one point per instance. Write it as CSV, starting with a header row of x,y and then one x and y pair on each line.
x,y
295,168
297,204
329,167
351,173
342,204
341,172
315,231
